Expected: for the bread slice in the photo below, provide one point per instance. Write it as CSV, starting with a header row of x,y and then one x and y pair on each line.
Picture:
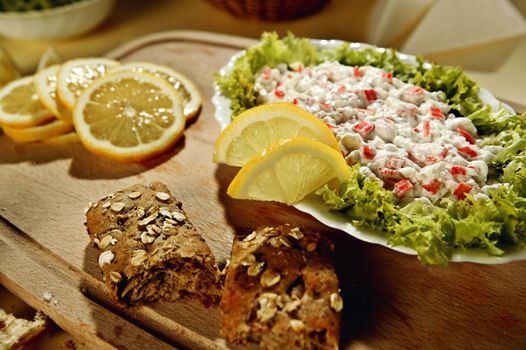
x,y
15,332
149,249
281,291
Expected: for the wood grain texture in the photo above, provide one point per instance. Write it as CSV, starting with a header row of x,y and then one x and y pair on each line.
x,y
391,300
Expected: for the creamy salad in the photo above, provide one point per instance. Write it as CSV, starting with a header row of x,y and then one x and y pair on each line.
x,y
412,157
401,134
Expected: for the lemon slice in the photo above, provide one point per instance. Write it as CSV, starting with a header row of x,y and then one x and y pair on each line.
x,y
191,96
38,133
266,125
8,71
20,106
129,116
76,75
49,58
289,171
46,87
70,137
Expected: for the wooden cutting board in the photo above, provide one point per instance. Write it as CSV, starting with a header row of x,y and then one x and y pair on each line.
x,y
391,300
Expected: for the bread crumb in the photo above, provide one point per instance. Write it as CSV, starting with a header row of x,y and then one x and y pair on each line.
x,y
47,296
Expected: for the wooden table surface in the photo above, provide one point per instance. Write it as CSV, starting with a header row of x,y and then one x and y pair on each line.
x,y
391,300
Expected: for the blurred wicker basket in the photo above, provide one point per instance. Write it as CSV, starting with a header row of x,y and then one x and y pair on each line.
x,y
270,10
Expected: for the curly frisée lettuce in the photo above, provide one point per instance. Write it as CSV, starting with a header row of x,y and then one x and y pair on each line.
x,y
433,231
495,223
509,131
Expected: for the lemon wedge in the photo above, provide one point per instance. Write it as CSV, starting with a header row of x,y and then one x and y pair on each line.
x,y
46,88
266,125
129,116
20,106
77,74
190,95
289,171
38,133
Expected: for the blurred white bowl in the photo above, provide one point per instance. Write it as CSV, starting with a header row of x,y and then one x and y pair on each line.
x,y
55,23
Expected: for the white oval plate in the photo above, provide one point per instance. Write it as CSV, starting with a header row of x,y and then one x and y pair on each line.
x,y
334,219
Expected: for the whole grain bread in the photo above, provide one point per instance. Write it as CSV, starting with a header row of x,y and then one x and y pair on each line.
x,y
149,249
281,291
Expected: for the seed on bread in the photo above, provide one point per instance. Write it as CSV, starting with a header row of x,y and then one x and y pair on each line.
x,y
134,195
269,278
162,196
106,258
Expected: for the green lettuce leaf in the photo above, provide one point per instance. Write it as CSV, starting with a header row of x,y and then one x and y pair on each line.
x,y
489,121
425,228
362,200
509,131
514,173
387,60
492,224
461,92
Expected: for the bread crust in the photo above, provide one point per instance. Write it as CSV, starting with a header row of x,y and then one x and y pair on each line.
x,y
149,249
281,291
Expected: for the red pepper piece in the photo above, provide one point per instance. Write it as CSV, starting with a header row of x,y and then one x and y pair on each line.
x,y
299,68
388,75
368,152
458,170
466,135
295,101
389,172
330,126
436,113
325,106
461,190
370,94
444,153
417,90
416,130
341,89
427,128
402,187
433,186
357,72
364,128
468,151
279,93
431,159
